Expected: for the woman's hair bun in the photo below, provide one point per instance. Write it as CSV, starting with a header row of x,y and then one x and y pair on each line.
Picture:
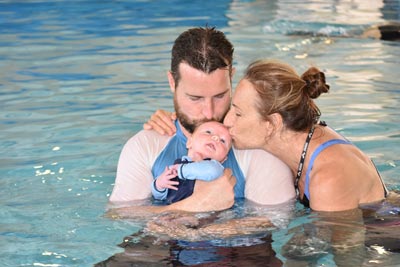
x,y
315,82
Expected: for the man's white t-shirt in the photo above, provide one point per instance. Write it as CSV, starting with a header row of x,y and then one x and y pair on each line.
x,y
267,180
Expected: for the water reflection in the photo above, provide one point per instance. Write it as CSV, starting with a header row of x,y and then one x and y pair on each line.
x,y
361,237
142,250
345,235
240,236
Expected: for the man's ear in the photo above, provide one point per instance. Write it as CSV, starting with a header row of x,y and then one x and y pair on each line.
x,y
232,74
171,81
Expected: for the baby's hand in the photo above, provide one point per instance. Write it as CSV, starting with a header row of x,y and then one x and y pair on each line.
x,y
164,180
174,168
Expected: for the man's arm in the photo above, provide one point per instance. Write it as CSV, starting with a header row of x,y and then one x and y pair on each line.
x,y
134,177
207,196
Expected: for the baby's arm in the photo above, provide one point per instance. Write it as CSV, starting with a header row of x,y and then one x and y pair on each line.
x,y
206,170
160,186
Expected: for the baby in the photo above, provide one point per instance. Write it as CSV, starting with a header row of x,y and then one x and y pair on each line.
x,y
208,148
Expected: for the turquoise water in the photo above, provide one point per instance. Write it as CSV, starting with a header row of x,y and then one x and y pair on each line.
x,y
78,78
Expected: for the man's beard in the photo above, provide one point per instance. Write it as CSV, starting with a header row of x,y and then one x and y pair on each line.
x,y
191,125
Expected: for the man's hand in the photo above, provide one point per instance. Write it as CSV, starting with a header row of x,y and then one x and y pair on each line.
x,y
162,122
209,196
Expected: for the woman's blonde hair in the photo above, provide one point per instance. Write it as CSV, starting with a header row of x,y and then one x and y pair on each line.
x,y
283,91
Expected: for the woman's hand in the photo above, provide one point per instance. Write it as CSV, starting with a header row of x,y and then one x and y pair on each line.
x,y
162,122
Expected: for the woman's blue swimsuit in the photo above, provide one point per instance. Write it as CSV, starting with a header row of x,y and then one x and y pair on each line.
x,y
306,196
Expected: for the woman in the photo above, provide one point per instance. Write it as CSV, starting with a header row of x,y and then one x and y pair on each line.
x,y
273,109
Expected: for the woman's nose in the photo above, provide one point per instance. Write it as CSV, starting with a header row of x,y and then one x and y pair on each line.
x,y
227,119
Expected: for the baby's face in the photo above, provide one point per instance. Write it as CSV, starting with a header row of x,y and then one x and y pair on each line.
x,y
210,140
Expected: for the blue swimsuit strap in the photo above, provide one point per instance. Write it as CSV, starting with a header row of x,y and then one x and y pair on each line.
x,y
314,156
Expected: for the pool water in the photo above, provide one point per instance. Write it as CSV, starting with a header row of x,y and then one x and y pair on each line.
x,y
78,78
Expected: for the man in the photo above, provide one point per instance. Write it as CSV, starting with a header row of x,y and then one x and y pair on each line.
x,y
201,81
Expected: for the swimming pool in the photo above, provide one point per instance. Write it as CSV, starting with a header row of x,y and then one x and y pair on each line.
x,y
78,78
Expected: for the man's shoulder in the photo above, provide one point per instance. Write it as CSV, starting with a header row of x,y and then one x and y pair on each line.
x,y
152,134
149,136
260,161
256,154
147,140
269,180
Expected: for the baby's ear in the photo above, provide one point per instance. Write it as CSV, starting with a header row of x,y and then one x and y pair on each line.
x,y
189,142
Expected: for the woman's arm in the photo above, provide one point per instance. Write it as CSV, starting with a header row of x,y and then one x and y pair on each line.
x,y
332,188
162,122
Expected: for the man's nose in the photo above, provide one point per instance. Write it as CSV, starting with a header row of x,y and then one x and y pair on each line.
x,y
208,109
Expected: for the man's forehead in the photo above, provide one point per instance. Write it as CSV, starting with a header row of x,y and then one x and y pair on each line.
x,y
186,67
197,83
206,92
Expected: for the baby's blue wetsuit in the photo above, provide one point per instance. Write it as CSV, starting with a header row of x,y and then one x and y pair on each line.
x,y
176,149
188,171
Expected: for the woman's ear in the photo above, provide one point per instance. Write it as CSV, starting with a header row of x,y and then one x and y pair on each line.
x,y
274,123
171,81
276,120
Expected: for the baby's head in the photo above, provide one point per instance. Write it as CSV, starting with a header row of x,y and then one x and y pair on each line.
x,y
209,140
